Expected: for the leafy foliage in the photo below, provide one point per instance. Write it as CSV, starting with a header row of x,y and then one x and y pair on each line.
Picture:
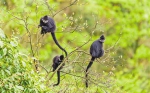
x,y
16,73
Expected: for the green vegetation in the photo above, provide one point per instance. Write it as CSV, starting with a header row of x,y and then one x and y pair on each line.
x,y
124,68
16,73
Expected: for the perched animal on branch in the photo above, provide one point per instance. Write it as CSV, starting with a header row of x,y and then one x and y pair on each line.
x,y
47,24
57,60
96,51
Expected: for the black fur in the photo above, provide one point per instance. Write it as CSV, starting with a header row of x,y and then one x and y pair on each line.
x,y
96,51
47,24
56,62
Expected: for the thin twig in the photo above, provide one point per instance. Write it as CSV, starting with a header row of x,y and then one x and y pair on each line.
x,y
44,68
112,47
71,74
75,29
65,8
29,35
30,41
83,52
49,8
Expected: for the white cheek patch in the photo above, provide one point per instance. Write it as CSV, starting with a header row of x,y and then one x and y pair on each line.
x,y
59,59
45,21
101,40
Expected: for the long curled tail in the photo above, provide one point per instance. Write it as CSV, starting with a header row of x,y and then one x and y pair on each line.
x,y
86,74
58,78
55,40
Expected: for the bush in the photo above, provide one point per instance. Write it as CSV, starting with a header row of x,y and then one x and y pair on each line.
x,y
16,70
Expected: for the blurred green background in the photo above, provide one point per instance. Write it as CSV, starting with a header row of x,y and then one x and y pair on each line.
x,y
124,68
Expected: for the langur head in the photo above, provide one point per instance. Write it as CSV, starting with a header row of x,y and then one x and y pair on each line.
x,y
102,38
61,57
45,19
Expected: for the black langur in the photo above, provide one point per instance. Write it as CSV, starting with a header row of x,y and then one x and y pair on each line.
x,y
57,60
47,24
96,51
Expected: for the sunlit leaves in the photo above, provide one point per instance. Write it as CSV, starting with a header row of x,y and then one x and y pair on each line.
x,y
4,51
143,52
19,87
16,70
14,44
2,35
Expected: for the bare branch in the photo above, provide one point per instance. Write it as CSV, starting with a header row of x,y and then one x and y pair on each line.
x,y
65,7
49,8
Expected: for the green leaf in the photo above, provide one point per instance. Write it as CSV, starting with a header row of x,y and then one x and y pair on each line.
x,y
4,51
2,35
13,43
1,44
8,71
23,64
20,87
